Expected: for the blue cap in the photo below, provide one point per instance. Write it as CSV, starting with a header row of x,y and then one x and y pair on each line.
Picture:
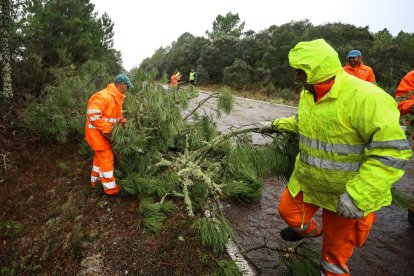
x,y
354,53
122,78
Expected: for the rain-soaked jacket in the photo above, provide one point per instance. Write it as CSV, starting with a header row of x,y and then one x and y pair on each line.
x,y
404,88
103,111
349,141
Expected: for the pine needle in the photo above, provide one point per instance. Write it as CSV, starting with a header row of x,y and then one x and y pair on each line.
x,y
214,232
226,268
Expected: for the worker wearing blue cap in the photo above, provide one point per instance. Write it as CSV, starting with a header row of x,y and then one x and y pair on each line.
x,y
356,68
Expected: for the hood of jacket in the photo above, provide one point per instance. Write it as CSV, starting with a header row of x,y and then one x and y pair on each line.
x,y
317,58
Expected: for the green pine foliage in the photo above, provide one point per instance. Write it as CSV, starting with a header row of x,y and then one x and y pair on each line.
x,y
214,231
284,149
225,100
302,259
226,268
60,113
163,154
154,213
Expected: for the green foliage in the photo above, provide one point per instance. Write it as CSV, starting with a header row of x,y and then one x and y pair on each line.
x,y
154,213
259,60
57,34
225,101
10,231
226,268
214,232
164,155
61,113
283,151
302,259
227,25
76,241
238,75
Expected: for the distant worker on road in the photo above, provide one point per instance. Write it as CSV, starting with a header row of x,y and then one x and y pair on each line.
x,y
351,151
193,77
405,98
103,112
174,80
356,68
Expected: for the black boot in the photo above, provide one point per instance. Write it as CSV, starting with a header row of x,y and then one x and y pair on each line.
x,y
288,234
411,217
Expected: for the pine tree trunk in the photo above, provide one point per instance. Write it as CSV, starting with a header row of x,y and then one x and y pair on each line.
x,y
7,92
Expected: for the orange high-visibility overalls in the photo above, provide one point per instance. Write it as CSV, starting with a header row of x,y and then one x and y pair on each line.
x,y
103,111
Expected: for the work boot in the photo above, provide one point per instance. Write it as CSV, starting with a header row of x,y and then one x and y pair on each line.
x,y
288,234
122,193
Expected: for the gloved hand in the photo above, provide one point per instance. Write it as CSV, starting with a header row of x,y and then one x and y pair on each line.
x,y
347,209
412,109
266,127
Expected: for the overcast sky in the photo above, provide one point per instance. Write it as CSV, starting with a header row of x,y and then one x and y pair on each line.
x,y
142,26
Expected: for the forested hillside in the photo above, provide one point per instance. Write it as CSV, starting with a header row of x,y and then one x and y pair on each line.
x,y
245,59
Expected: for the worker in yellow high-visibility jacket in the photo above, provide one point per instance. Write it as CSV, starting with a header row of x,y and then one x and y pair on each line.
x,y
351,151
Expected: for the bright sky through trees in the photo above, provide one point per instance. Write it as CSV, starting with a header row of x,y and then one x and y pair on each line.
x,y
141,27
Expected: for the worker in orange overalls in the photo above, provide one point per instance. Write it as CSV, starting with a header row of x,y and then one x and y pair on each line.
x,y
405,87
175,78
103,112
356,68
405,97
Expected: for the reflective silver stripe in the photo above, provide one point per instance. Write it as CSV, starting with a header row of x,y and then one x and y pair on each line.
x,y
313,233
93,111
94,178
330,165
110,120
304,227
392,162
91,126
95,168
109,185
106,174
94,118
334,268
334,148
394,144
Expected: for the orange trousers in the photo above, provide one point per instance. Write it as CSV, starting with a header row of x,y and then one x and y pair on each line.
x,y
340,235
103,169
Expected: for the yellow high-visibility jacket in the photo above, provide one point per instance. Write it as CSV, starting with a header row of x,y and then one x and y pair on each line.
x,y
350,140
